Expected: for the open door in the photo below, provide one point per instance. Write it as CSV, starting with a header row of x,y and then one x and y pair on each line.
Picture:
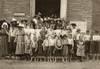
x,y
48,7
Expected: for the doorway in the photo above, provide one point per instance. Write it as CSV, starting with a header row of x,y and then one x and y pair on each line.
x,y
48,7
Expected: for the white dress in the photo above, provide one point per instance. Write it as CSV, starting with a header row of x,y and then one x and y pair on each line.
x,y
32,33
27,39
37,32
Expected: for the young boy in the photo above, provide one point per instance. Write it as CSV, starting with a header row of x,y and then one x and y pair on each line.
x,y
87,39
45,45
52,43
70,47
95,47
33,48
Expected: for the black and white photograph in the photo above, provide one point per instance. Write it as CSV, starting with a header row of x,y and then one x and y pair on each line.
x,y
49,34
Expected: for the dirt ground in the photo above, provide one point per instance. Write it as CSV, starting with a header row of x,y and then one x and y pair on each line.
x,y
15,64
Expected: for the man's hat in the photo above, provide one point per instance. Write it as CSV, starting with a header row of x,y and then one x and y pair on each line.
x,y
13,20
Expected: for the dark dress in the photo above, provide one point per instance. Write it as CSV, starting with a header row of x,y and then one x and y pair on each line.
x,y
3,43
40,48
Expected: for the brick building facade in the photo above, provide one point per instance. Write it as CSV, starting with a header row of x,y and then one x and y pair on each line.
x,y
77,10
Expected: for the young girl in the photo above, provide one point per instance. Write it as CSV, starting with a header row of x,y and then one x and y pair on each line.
x,y
46,47
58,48
95,47
52,43
33,46
20,47
27,41
70,47
87,39
39,48
65,47
80,48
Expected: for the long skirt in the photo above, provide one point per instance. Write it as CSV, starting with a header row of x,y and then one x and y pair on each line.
x,y
27,44
87,47
95,47
40,51
34,53
12,46
58,53
20,48
3,45
65,50
80,52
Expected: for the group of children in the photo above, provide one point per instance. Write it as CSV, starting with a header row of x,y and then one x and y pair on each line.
x,y
54,41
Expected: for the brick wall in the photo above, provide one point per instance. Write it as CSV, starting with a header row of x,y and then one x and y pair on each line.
x,y
80,10
15,6
96,15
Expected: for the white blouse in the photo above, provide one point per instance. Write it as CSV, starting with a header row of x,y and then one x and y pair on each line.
x,y
70,41
87,37
96,37
52,42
